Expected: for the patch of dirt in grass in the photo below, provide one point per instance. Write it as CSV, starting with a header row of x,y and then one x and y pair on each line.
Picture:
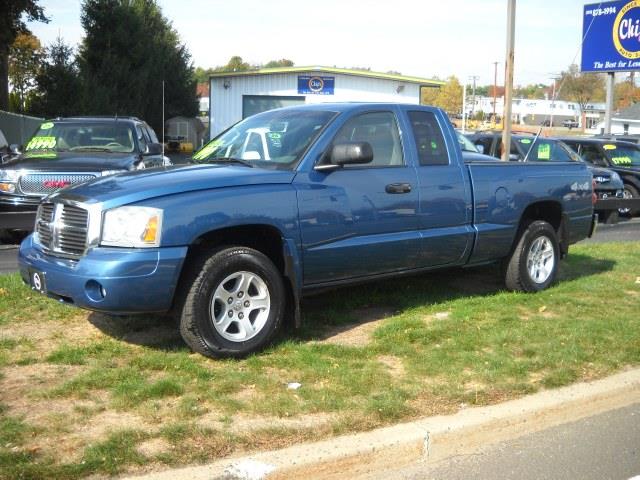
x,y
633,293
154,447
69,447
357,334
394,365
246,424
19,381
46,337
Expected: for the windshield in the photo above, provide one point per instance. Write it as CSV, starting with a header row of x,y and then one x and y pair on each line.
x,y
623,155
276,139
465,144
94,136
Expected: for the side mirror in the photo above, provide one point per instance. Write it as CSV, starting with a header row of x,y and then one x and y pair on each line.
x,y
351,153
14,149
153,149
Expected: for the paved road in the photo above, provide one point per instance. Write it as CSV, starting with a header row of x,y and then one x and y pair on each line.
x,y
624,231
603,447
8,261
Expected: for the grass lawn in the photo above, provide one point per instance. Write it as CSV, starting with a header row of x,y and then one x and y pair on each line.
x,y
84,394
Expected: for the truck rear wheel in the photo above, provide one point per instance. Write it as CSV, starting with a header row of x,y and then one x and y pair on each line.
x,y
234,305
533,264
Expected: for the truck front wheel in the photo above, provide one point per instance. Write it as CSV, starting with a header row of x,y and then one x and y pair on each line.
x,y
235,303
533,264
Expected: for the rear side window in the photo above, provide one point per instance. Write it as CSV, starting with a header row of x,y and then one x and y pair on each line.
x,y
429,140
545,151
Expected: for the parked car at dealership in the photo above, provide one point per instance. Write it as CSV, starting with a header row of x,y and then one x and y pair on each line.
x,y
621,157
68,151
350,192
607,183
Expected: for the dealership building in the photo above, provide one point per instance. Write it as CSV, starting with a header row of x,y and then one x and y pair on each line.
x,y
237,95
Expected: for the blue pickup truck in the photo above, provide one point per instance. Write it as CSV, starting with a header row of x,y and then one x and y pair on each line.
x,y
294,200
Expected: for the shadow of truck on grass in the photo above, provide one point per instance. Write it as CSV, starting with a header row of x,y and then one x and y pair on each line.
x,y
333,312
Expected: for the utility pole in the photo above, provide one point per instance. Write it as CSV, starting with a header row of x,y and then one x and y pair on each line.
x,y
464,108
495,88
508,79
473,78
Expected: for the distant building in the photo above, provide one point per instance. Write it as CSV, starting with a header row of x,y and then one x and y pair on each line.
x,y
539,111
237,95
184,133
623,122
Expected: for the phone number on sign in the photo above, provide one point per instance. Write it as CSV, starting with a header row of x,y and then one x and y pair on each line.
x,y
596,12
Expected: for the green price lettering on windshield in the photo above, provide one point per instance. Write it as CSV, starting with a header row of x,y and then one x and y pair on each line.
x,y
46,126
621,160
207,150
544,152
41,143
526,141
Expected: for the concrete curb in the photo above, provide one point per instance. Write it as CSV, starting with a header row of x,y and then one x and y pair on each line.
x,y
429,439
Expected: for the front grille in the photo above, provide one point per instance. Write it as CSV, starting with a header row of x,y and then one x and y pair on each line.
x,y
44,184
62,229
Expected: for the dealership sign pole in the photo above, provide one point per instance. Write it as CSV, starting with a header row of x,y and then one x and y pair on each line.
x,y
611,42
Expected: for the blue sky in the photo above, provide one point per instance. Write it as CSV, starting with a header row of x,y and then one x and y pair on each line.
x,y
423,38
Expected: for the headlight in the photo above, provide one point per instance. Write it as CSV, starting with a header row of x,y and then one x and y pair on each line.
x,y
106,173
8,175
615,177
132,227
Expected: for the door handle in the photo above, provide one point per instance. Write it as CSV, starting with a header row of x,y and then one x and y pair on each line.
x,y
398,188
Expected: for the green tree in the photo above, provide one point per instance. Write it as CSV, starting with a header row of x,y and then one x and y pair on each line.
x,y
448,96
582,88
58,83
534,91
283,62
25,57
626,94
235,64
12,16
128,50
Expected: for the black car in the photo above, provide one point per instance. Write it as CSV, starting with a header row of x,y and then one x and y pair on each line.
x,y
68,151
608,184
621,157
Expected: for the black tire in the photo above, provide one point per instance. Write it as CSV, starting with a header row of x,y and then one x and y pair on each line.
x,y
199,308
517,268
630,191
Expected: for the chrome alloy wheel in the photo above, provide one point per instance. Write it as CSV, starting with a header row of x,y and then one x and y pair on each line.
x,y
541,259
626,194
240,306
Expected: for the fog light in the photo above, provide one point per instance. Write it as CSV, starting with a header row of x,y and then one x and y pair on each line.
x,y
95,291
7,187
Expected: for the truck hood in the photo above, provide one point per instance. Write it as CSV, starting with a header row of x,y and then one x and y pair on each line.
x,y
131,187
603,178
72,161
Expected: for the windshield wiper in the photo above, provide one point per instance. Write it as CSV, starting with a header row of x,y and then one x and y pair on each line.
x,y
229,160
92,149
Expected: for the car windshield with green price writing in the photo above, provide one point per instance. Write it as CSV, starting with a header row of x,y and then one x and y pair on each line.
x,y
622,155
82,137
276,139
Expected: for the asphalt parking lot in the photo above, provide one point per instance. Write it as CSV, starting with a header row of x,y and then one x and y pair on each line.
x,y
625,231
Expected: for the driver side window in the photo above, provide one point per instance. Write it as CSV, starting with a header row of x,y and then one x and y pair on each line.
x,y
380,130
